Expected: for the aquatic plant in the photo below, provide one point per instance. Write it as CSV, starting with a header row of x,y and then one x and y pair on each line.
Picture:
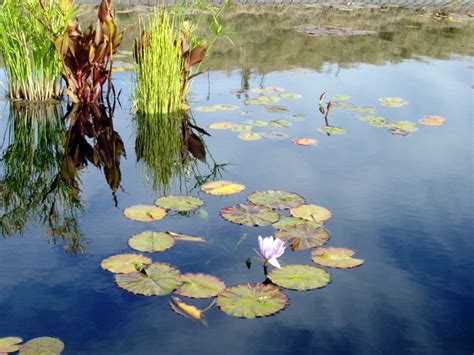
x,y
270,249
32,68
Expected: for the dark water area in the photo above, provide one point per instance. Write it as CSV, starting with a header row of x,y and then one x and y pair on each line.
x,y
405,203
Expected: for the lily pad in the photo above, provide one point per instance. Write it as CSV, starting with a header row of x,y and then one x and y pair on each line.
x,y
124,263
43,346
276,199
311,213
304,141
10,344
221,125
286,222
144,213
432,120
249,215
364,109
392,101
342,104
226,107
275,135
258,123
276,108
199,285
250,136
335,257
332,130
252,300
242,128
179,203
300,277
158,279
279,124
340,97
262,100
222,187
268,90
291,96
406,126
376,121
185,238
205,108
303,236
150,241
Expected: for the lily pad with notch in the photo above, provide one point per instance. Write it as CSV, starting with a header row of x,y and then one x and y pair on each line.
x,y
222,187
150,241
144,213
124,263
250,136
42,345
303,236
336,257
300,277
199,285
179,203
276,199
10,344
311,212
286,222
249,215
279,124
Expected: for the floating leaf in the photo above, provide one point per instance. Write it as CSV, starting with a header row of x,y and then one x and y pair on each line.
x,y
205,108
242,128
43,346
279,124
364,109
405,126
298,116
341,97
222,187
185,238
158,279
274,135
342,104
150,241
221,125
124,263
303,236
299,277
335,257
226,107
432,120
291,96
276,108
10,344
144,213
250,215
286,222
179,203
250,301
262,100
199,285
376,121
276,199
332,130
311,213
258,123
250,136
268,90
304,141
186,310
392,101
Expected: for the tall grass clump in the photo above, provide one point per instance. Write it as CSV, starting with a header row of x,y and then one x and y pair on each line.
x,y
32,67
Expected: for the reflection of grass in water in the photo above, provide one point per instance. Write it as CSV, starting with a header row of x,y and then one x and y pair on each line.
x,y
31,184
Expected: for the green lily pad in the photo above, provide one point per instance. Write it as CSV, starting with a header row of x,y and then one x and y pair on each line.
x,y
392,101
286,222
43,346
221,125
335,257
332,130
179,203
222,187
144,213
242,128
431,120
299,277
262,100
311,213
158,279
276,108
250,136
276,199
249,215
226,107
275,135
279,124
405,126
340,97
291,96
124,263
205,108
376,121
364,109
258,123
342,104
251,301
10,344
150,241
268,90
303,236
199,285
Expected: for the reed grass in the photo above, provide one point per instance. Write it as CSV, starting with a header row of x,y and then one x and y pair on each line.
x,y
32,67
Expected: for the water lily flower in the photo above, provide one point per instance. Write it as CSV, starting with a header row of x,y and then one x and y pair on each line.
x,y
271,249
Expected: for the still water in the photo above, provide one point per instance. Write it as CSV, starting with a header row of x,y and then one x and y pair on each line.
x,y
404,202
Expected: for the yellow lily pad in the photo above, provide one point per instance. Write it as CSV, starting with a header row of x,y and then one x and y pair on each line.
x,y
364,109
392,101
124,263
258,123
242,128
262,100
226,107
336,257
332,130
42,346
250,136
10,344
144,213
221,125
222,187
311,212
432,120
276,199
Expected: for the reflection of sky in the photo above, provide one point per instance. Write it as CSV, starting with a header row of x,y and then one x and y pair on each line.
x,y
405,203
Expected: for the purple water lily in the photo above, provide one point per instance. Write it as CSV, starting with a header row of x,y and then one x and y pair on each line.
x,y
271,249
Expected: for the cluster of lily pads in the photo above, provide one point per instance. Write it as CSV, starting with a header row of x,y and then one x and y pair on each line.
x,y
302,229
41,345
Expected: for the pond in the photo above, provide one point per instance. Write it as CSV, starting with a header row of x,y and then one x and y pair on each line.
x,y
400,193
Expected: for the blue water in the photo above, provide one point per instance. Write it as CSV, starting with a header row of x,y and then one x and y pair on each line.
x,y
404,203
